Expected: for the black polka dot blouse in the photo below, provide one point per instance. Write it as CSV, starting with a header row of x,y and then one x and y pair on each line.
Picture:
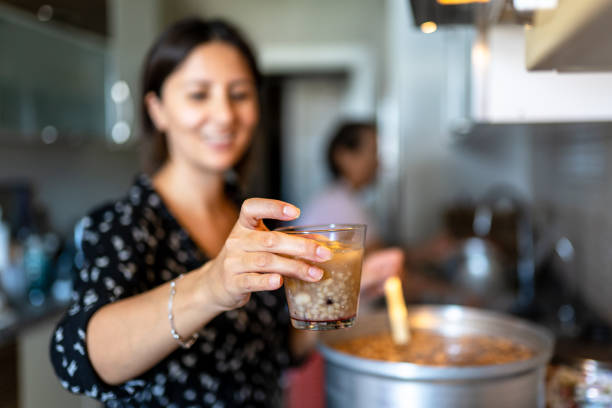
x,y
133,245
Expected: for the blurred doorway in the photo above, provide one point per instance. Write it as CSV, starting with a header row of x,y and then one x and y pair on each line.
x,y
299,110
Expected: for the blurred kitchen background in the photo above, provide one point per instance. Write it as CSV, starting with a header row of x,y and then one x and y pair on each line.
x,y
495,126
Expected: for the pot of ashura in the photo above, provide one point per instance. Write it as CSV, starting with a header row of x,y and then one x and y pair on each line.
x,y
456,357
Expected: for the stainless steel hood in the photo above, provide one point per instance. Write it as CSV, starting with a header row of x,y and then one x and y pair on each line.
x,y
479,14
489,88
571,37
498,89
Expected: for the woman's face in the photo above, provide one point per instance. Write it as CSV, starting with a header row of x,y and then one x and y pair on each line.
x,y
359,166
208,108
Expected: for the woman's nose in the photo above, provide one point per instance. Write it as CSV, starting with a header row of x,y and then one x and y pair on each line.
x,y
222,109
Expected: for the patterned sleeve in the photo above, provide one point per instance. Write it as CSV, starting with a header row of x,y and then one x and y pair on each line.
x,y
110,250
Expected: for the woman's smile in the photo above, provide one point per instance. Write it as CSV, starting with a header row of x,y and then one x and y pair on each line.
x,y
218,141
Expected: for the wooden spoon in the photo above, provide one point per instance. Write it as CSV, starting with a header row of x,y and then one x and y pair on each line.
x,y
396,308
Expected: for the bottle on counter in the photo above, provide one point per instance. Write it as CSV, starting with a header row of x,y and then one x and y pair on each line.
x,y
5,243
39,251
5,253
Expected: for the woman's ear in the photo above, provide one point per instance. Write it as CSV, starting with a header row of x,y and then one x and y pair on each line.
x,y
156,111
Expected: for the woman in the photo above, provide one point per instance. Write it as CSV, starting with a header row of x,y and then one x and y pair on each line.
x,y
352,159
176,300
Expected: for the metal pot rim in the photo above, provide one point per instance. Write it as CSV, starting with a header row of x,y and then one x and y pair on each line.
x,y
540,339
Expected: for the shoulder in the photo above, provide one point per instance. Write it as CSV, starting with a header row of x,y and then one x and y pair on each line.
x,y
335,204
332,197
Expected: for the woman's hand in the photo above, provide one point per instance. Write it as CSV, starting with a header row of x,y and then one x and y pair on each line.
x,y
254,258
377,267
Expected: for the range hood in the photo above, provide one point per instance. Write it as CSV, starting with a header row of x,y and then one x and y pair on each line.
x,y
477,13
481,13
503,90
488,83
573,37
487,77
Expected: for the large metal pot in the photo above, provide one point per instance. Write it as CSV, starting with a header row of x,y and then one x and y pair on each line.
x,y
356,382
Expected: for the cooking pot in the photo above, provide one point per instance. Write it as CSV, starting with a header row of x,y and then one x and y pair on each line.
x,y
356,382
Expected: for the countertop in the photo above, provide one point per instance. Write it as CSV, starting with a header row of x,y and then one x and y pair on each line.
x,y
17,318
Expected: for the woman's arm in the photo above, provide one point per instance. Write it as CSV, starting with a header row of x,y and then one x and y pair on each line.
x,y
128,337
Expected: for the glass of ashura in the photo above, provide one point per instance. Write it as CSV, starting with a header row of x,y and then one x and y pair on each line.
x,y
330,303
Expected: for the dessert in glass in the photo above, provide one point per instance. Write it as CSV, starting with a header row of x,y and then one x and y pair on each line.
x,y
330,303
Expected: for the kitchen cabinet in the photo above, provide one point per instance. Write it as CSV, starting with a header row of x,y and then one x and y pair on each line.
x,y
52,81
572,37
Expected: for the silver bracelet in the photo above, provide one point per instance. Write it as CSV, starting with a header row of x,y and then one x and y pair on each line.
x,y
183,343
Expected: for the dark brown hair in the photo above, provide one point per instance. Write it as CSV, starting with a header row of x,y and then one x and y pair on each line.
x,y
167,53
349,136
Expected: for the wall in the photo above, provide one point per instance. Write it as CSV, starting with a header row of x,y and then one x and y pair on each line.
x,y
133,26
69,181
304,35
311,110
292,21
572,191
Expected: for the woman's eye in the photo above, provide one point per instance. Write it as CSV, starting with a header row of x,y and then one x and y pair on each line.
x,y
240,96
198,96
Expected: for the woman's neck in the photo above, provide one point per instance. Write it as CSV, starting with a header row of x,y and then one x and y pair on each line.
x,y
197,198
349,184
186,188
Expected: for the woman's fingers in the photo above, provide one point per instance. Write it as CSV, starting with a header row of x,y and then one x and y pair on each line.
x,y
255,259
256,209
271,263
260,239
281,243
256,282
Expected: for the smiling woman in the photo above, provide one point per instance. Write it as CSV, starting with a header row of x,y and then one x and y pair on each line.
x,y
176,299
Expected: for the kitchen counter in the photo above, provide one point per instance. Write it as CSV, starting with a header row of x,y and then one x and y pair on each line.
x,y
19,326
15,319
29,380
580,349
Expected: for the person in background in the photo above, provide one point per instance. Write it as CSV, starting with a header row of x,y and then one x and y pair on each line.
x,y
352,161
176,299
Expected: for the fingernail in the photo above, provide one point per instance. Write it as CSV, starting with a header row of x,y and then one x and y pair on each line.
x,y
290,211
324,253
315,273
274,280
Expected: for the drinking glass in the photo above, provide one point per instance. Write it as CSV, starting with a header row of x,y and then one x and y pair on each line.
x,y
330,303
